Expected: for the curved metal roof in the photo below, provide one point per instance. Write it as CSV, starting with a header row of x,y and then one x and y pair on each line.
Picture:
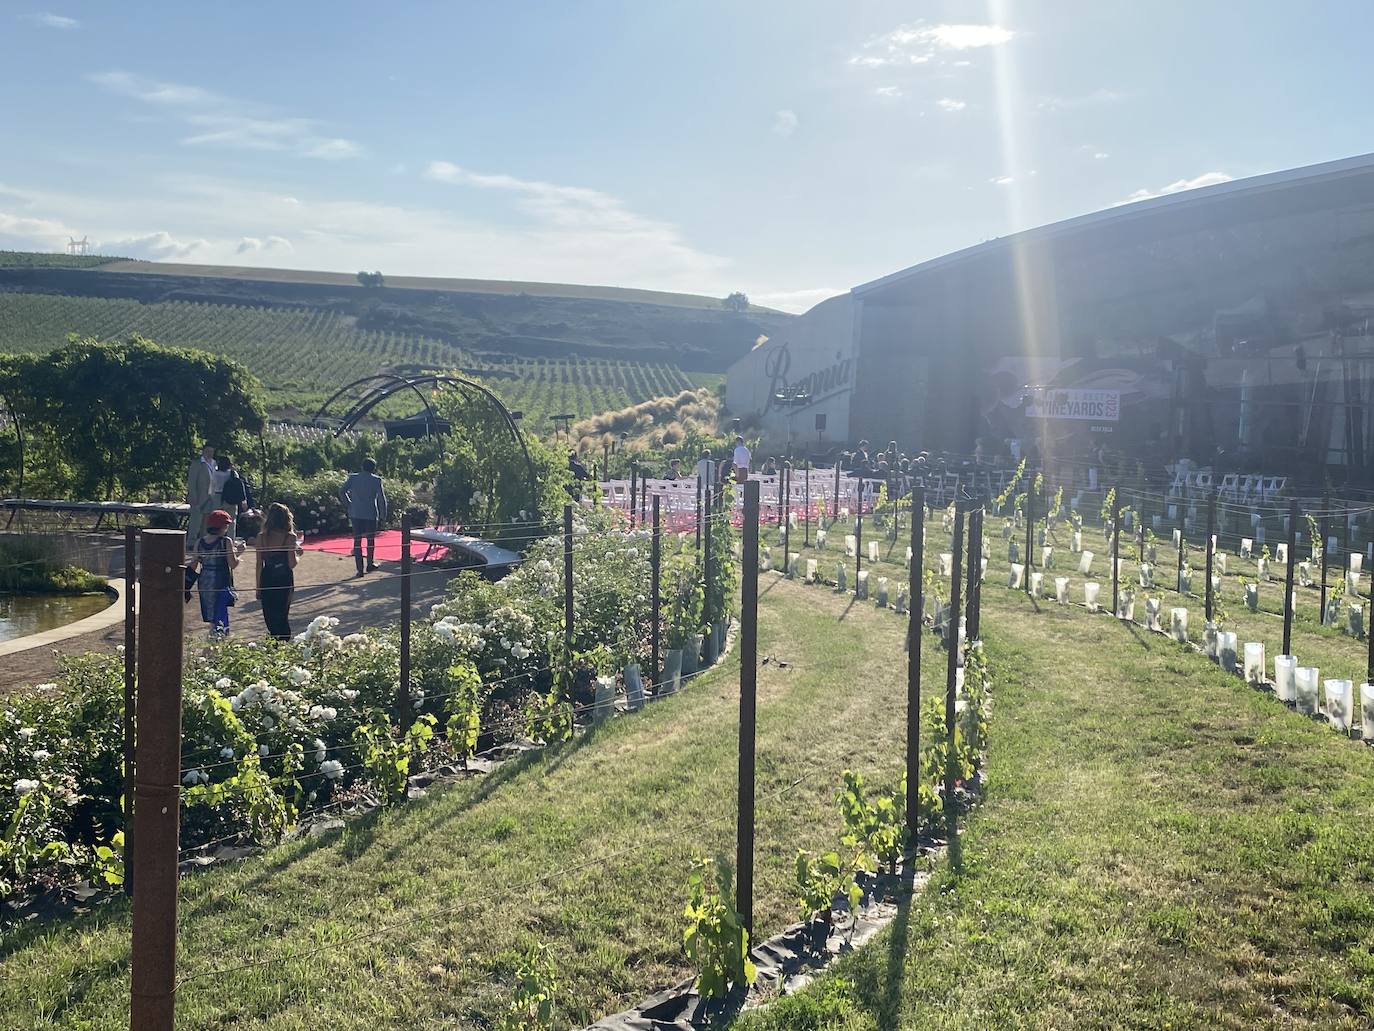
x,y
1155,208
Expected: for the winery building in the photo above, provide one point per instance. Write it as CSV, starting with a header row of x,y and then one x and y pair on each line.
x,y
1230,320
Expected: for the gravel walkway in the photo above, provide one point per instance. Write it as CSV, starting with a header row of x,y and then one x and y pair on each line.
x,y
324,587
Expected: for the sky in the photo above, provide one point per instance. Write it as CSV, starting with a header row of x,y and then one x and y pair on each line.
x,y
791,150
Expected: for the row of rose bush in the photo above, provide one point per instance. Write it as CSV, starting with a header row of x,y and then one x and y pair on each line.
x,y
272,730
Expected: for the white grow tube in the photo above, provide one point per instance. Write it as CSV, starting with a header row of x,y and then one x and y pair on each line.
x,y
1091,590
1061,589
1339,703
1285,678
1305,681
1254,662
1178,624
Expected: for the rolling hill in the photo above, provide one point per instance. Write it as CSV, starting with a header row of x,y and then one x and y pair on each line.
x,y
546,348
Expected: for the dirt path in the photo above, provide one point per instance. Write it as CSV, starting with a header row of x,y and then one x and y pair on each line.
x,y
323,588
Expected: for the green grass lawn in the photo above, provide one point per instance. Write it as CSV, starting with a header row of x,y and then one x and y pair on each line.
x,y
1161,846
415,918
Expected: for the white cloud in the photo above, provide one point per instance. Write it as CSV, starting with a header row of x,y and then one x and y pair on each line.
x,y
158,246
221,121
1179,186
1002,180
920,43
785,122
887,91
950,104
251,244
54,21
514,229
1100,155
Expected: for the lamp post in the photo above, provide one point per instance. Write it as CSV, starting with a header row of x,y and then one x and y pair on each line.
x,y
791,398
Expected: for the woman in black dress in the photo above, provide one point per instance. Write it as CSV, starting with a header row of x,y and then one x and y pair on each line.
x,y
278,549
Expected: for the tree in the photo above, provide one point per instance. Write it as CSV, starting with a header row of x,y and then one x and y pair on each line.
x,y
484,479
371,279
737,301
125,418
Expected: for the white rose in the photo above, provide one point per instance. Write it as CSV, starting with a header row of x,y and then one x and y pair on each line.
x,y
42,755
332,769
24,787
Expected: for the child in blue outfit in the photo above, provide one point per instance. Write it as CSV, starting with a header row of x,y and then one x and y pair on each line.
x,y
215,557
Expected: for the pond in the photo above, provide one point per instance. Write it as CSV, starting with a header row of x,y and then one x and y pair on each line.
x,y
24,614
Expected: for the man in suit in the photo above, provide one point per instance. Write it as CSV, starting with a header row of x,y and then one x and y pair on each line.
x,y
365,500
199,494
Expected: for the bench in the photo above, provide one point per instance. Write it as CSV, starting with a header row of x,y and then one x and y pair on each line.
x,y
473,550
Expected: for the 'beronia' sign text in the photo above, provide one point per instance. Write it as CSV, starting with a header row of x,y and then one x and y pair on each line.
x,y
815,385
1089,405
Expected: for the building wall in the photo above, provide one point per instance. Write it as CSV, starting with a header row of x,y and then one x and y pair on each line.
x,y
1184,293
1221,278
815,355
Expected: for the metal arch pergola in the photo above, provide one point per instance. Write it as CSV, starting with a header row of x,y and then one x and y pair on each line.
x,y
381,386
19,434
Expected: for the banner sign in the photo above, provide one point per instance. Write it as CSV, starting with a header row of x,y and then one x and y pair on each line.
x,y
1086,405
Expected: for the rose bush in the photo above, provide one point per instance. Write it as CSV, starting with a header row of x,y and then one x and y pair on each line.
x,y
272,730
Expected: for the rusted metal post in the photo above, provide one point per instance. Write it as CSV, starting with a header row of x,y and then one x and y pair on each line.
x,y
1369,633
130,721
1030,527
1211,550
914,630
859,535
1115,549
655,559
634,493
706,562
403,698
952,666
1324,536
567,600
835,502
975,571
785,486
748,689
1182,547
157,786
1288,579
806,514
699,485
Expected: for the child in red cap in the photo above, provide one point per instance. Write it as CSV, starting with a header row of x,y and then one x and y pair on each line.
x,y
215,557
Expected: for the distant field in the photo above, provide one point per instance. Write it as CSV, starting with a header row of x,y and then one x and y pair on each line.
x,y
302,355
479,286
29,259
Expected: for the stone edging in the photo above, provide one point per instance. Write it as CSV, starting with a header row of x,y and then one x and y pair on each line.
x,y
105,618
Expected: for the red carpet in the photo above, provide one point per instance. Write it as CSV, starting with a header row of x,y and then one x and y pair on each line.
x,y
388,546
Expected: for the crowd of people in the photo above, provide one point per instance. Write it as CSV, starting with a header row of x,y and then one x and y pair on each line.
x,y
218,496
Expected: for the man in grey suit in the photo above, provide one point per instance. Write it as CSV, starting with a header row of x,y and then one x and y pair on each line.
x,y
199,494
365,500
